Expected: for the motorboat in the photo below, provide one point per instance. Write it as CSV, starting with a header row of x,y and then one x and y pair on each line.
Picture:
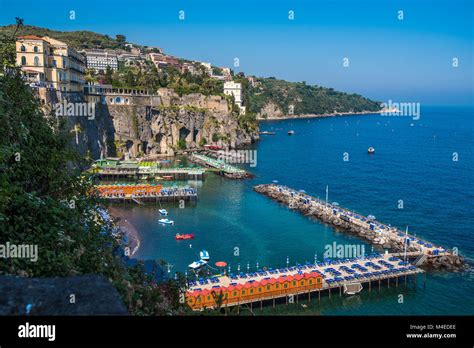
x,y
197,264
183,236
166,221
204,255
291,132
163,212
371,150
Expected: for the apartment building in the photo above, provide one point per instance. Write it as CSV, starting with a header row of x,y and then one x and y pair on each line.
x,y
48,62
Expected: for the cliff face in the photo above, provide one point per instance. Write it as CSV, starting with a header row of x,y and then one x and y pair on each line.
x,y
176,123
144,125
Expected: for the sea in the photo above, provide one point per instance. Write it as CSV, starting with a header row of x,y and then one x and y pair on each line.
x,y
420,177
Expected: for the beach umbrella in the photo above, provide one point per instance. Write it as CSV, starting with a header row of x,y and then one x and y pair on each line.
x,y
335,203
221,263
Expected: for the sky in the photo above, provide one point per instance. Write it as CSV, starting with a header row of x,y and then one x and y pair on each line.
x,y
392,56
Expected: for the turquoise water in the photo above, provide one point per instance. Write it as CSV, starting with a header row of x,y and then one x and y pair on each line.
x,y
413,163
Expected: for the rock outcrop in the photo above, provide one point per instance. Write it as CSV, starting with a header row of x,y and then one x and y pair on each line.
x,y
137,125
78,295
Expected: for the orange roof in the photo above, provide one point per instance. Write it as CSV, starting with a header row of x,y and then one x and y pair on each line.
x,y
272,281
248,285
30,37
281,279
298,276
264,282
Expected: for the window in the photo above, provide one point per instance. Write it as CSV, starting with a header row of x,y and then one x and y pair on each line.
x,y
268,287
23,60
235,293
311,281
259,289
294,282
251,291
277,286
302,282
243,292
35,49
285,286
118,100
23,48
36,61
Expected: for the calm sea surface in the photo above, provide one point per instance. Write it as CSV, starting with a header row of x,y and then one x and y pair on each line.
x,y
413,163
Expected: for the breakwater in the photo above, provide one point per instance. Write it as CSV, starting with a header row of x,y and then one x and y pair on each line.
x,y
379,234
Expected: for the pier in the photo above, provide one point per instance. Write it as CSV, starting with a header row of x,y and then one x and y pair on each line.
x,y
375,232
145,193
116,170
229,171
298,281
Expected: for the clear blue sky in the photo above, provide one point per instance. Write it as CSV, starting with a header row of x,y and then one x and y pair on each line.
x,y
403,60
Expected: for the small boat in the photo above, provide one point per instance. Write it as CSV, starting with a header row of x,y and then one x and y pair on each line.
x,y
267,133
197,264
291,132
183,236
166,221
163,212
371,150
204,255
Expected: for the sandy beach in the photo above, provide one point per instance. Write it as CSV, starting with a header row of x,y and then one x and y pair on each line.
x,y
128,228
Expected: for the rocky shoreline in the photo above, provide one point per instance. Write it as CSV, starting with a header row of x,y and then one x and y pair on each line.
x,y
450,261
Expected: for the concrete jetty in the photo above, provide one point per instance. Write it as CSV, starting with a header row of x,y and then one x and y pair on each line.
x,y
377,233
223,168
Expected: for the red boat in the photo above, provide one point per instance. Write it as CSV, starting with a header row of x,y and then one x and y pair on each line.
x,y
183,236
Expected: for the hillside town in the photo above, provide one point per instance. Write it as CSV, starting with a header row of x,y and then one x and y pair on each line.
x,y
49,64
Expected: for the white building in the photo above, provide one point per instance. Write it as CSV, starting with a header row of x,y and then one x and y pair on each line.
x,y
99,60
208,68
235,89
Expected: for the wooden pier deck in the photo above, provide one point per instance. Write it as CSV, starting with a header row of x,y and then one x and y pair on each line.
x,y
335,274
146,193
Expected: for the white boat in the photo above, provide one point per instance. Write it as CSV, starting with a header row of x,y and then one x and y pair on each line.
x,y
197,264
291,132
166,221
204,255
371,150
163,212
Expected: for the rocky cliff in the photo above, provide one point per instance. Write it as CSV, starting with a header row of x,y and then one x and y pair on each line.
x,y
136,125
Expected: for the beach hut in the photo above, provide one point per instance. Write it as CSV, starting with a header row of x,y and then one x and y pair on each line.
x,y
284,282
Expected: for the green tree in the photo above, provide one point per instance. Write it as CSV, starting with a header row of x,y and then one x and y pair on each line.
x,y
108,75
46,200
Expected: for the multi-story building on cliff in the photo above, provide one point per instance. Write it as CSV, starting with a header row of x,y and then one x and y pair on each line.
x,y
47,62
235,89
99,60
